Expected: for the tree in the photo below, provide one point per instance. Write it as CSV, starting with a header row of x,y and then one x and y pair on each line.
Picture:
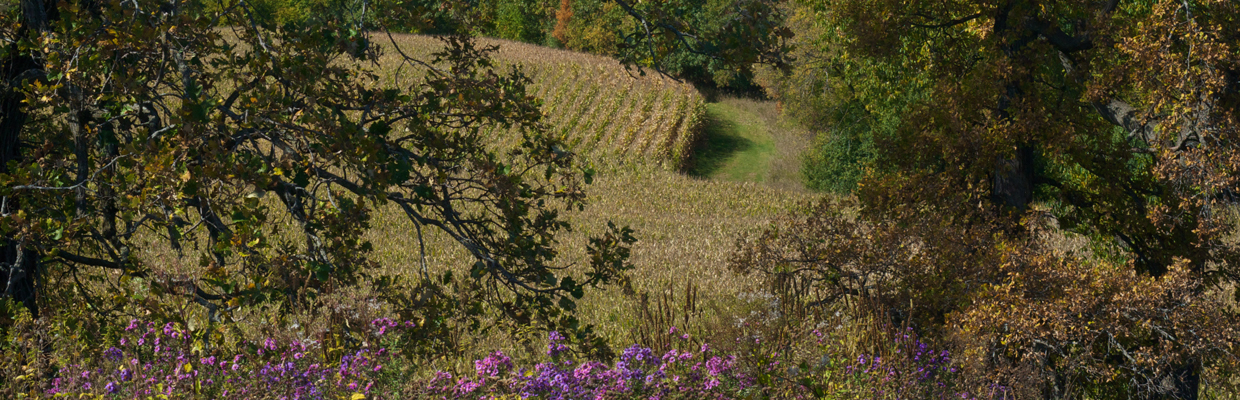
x,y
1060,112
563,15
140,124
1115,119
715,42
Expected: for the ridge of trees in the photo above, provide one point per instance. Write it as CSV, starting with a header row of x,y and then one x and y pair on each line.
x,y
710,42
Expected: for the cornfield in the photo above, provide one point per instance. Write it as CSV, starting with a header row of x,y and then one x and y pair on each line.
x,y
608,113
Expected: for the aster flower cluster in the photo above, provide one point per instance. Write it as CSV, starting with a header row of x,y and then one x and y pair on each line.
x,y
151,360
165,361
910,369
638,373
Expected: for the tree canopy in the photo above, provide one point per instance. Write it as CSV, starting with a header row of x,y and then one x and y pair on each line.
x,y
975,131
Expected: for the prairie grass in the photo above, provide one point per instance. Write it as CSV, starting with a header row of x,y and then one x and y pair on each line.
x,y
686,229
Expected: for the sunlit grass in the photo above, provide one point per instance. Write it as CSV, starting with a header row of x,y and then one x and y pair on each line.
x,y
748,141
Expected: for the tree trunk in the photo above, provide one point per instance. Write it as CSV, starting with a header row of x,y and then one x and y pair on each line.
x,y
1012,180
1181,383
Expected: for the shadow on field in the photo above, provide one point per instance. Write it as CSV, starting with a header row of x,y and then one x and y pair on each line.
x,y
717,145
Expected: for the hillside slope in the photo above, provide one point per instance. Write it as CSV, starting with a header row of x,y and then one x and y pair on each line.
x,y
609,113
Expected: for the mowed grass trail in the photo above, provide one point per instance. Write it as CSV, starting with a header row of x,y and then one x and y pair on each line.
x,y
747,141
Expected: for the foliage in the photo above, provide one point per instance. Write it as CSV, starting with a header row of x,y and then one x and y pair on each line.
x,y
1061,241
999,122
713,41
595,27
1053,130
407,16
839,158
706,41
1101,328
1021,313
563,16
519,20
855,103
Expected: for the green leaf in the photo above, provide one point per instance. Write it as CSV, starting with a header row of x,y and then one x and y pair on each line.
x,y
567,304
301,179
570,285
380,129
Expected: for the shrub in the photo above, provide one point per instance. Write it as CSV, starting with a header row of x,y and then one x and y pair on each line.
x,y
1037,317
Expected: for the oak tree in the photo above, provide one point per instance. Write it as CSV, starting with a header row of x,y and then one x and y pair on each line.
x,y
135,126
1114,121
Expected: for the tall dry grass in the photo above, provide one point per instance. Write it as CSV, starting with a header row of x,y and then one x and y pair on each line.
x,y
686,229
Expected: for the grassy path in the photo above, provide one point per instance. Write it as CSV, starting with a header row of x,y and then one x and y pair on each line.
x,y
746,141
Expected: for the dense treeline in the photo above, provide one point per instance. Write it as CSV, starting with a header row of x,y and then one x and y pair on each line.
x,y
594,26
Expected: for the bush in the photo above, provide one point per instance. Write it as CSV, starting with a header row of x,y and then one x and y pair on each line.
x,y
1023,309
840,156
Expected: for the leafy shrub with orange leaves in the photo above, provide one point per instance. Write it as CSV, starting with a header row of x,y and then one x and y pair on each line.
x,y
1019,308
1098,326
562,16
